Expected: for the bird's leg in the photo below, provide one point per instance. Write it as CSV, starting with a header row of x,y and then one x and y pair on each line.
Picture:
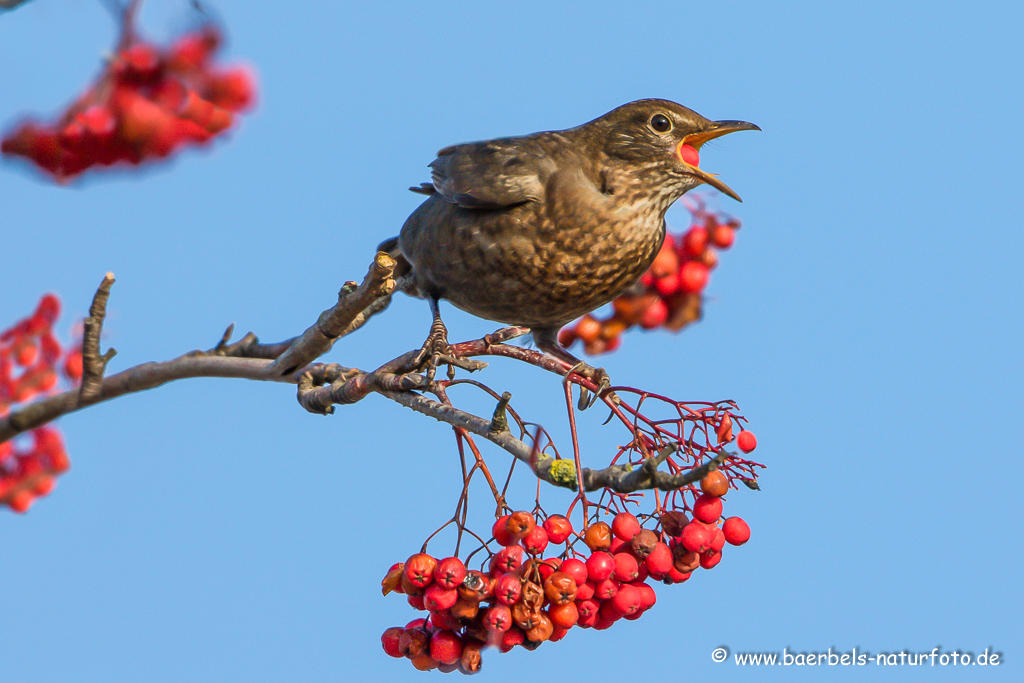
x,y
547,341
436,350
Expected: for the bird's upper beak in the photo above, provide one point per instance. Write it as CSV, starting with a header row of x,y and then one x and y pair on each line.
x,y
695,140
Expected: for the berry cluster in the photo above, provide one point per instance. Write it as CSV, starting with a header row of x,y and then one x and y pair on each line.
x,y
146,103
669,293
29,473
30,356
524,600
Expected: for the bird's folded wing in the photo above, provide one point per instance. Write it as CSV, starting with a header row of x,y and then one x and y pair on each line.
x,y
489,175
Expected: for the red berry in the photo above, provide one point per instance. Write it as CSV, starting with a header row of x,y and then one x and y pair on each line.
x,y
560,588
445,647
607,613
233,89
689,155
668,285
627,600
647,596
192,50
509,559
548,566
73,366
564,616
508,589
600,566
695,537
389,639
413,640
519,524
695,241
588,329
498,618
603,590
714,483
437,598
625,526
717,539
576,569
746,441
693,277
512,637
736,531
27,354
654,315
707,508
588,612
710,558
140,61
659,561
676,576
598,536
536,541
99,122
449,572
567,336
666,261
558,527
21,501
722,236
424,662
501,533
43,487
419,569
626,567
48,308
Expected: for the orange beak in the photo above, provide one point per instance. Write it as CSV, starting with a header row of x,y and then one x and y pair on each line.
x,y
695,140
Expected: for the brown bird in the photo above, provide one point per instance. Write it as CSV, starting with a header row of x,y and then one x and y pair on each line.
x,y
537,230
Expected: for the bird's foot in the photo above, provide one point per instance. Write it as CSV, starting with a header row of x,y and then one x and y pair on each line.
x,y
437,351
596,375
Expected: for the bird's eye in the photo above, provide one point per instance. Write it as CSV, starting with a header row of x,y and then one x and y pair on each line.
x,y
661,123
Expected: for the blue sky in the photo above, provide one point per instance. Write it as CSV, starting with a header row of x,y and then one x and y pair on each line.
x,y
868,322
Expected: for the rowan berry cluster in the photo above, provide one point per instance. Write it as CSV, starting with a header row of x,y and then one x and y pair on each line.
x,y
147,102
524,600
669,293
30,359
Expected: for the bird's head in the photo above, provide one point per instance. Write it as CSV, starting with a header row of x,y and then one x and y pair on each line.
x,y
663,137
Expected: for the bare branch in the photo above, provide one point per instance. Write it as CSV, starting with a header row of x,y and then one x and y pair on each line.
x,y
355,306
93,364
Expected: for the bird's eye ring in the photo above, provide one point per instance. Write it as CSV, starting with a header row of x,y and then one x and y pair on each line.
x,y
661,123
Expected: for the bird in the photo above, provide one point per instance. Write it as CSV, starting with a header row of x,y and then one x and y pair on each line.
x,y
535,231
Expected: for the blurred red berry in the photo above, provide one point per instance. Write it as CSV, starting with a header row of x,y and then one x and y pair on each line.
x,y
693,277
746,441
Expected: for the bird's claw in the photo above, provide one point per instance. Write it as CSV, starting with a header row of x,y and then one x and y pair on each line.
x,y
437,351
596,375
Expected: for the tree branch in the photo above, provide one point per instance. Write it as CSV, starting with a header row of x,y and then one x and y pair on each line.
x,y
321,387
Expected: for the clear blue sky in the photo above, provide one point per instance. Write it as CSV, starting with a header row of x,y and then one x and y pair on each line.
x,y
868,321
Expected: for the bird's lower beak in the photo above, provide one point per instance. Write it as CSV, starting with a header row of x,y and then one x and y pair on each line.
x,y
695,140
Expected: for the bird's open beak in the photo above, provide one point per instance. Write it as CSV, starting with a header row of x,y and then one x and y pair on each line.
x,y
695,140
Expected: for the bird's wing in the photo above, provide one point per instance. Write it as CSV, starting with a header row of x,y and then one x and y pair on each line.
x,y
489,175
